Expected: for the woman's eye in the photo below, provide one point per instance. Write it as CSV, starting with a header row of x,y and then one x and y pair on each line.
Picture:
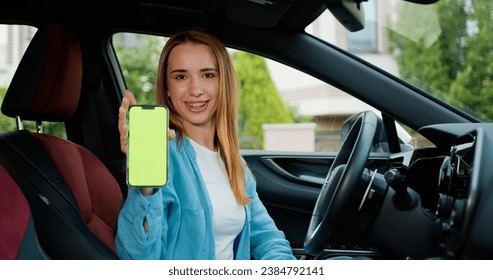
x,y
180,77
209,75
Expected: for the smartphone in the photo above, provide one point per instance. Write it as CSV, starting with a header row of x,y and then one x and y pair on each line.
x,y
147,151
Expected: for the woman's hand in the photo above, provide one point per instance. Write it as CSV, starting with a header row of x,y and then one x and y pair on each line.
x,y
127,101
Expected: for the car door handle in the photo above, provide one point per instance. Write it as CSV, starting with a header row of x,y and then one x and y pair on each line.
x,y
301,175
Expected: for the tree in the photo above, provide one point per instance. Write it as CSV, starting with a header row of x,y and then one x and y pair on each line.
x,y
431,61
474,84
457,64
260,101
139,65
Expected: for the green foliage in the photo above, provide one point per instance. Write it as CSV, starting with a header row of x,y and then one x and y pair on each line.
x,y
138,56
474,85
139,64
456,64
260,101
8,123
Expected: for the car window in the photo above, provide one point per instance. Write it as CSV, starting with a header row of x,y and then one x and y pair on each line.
x,y
14,40
298,112
443,49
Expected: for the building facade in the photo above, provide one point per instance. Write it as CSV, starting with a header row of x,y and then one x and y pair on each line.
x,y
14,40
328,105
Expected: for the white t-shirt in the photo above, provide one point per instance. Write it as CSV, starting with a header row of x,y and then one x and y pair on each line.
x,y
228,215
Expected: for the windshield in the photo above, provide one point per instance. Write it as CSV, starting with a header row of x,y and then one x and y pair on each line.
x,y
445,49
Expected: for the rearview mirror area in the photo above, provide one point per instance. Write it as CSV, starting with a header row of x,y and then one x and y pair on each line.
x,y
349,13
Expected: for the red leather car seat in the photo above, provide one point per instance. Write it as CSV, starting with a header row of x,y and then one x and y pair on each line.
x,y
18,239
47,87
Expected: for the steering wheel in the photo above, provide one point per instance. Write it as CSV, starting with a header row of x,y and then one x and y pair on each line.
x,y
343,186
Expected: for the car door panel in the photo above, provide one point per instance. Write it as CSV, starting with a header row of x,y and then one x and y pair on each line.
x,y
289,183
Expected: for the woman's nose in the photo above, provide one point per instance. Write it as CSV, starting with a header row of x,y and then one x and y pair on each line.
x,y
197,89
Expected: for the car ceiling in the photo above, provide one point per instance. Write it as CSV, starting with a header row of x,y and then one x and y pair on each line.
x,y
231,20
280,15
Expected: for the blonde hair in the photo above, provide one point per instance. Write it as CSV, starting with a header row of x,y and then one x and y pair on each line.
x,y
226,137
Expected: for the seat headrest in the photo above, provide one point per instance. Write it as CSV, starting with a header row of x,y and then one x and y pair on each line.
x,y
47,83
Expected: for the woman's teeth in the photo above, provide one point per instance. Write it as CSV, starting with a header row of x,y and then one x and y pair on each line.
x,y
196,105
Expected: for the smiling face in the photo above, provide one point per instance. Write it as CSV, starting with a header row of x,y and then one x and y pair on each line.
x,y
193,85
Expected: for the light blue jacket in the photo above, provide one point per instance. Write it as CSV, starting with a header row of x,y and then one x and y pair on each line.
x,y
180,218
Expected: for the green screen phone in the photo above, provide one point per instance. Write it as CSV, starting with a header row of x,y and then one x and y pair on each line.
x,y
147,152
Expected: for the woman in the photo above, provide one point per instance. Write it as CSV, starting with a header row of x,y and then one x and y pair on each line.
x,y
209,208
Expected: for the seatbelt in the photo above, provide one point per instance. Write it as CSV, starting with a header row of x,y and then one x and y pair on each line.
x,y
50,199
24,158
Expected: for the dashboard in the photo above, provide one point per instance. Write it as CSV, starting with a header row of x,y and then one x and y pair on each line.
x,y
454,180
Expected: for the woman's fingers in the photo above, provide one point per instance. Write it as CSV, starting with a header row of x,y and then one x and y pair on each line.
x,y
127,101
171,133
131,98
